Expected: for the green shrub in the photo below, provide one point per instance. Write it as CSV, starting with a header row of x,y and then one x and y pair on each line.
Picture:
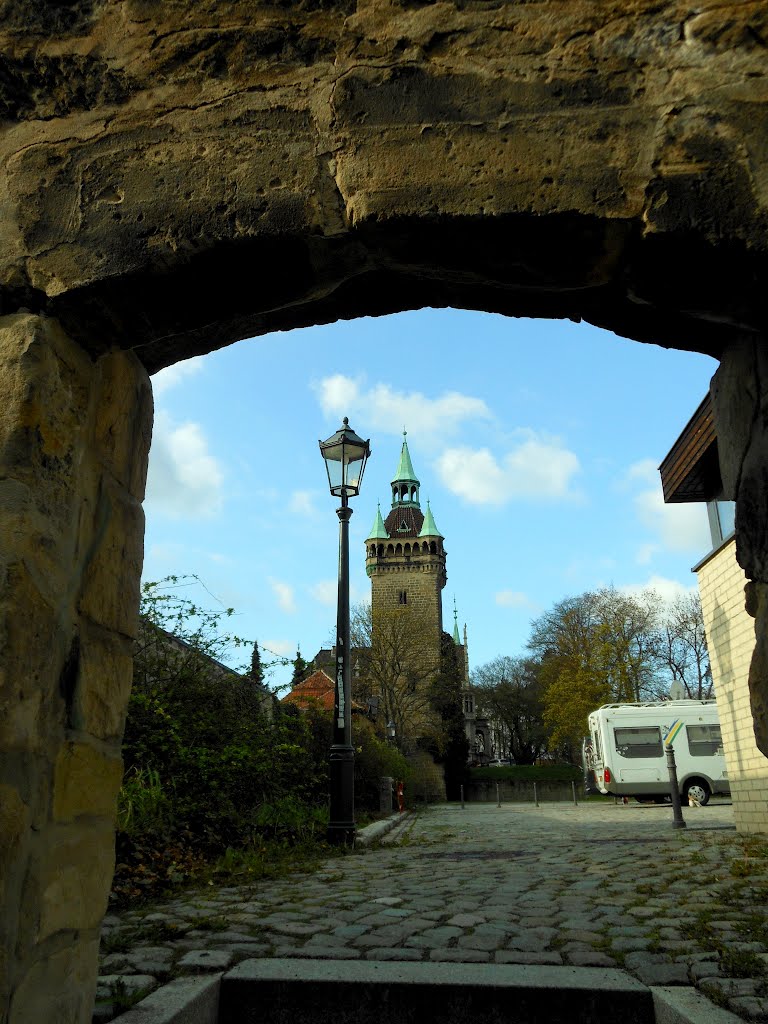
x,y
528,773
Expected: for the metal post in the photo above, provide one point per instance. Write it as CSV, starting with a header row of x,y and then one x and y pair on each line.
x,y
573,788
498,796
535,795
341,827
677,811
462,797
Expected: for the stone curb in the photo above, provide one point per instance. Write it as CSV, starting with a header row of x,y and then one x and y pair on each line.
x,y
683,1005
188,1000
195,1000
377,829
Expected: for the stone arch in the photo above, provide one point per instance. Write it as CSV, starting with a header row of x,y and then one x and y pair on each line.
x,y
379,169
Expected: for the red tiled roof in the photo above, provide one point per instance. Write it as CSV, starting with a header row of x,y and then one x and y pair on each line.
x,y
410,515
316,689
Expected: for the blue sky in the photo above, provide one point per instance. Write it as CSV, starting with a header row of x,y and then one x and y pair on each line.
x,y
536,441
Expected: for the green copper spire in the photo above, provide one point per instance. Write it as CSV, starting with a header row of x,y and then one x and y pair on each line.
x,y
378,530
429,529
456,637
405,486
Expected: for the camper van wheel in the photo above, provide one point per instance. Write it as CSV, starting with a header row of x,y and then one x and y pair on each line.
x,y
696,791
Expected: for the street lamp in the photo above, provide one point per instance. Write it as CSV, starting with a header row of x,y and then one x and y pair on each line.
x,y
391,729
345,457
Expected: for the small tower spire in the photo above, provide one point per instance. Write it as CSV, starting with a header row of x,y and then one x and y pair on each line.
x,y
429,527
378,530
405,486
456,637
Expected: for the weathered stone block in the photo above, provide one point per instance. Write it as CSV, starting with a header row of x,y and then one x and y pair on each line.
x,y
112,575
58,989
73,872
103,682
14,821
123,419
85,782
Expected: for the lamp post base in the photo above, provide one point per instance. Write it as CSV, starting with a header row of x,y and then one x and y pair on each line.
x,y
341,827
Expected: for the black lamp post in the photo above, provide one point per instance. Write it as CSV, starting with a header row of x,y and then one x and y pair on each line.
x,y
345,457
391,731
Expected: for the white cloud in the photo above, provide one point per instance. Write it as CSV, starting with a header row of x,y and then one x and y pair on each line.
x,y
385,410
168,378
538,467
282,647
677,527
184,480
512,599
325,592
284,594
303,503
666,588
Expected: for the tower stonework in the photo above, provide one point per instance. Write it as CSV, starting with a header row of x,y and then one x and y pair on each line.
x,y
405,561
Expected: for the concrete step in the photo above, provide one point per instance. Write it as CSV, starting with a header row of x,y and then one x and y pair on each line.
x,y
327,992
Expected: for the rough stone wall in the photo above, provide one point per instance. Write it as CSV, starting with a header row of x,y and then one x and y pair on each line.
x,y
731,641
740,404
422,583
74,437
180,174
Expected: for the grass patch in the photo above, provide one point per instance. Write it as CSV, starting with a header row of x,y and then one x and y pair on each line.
x,y
741,963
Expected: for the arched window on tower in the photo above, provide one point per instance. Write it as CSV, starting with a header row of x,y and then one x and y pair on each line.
x,y
381,550
433,547
398,549
407,549
390,549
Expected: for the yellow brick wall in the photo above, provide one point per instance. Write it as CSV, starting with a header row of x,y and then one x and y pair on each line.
x,y
731,639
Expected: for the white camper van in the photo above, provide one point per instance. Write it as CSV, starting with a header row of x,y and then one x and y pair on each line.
x,y
627,744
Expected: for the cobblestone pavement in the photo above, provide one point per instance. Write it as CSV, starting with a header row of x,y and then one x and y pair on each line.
x,y
597,885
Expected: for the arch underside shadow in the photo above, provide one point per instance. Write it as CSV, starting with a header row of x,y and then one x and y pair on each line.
x,y
674,290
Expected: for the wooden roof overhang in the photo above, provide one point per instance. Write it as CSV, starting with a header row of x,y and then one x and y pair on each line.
x,y
691,470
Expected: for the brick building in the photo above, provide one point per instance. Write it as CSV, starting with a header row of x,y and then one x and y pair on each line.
x,y
691,472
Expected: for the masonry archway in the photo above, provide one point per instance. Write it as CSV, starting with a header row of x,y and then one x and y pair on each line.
x,y
180,176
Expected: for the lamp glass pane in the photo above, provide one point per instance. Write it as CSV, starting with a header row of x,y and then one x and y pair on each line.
x,y
335,476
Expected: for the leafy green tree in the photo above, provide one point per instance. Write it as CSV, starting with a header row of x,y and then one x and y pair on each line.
x,y
257,672
509,692
446,740
300,669
598,647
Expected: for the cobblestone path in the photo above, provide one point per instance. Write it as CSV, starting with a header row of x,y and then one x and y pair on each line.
x,y
596,885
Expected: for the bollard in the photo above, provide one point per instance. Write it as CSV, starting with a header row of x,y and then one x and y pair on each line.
x,y
535,795
498,796
462,798
575,799
677,811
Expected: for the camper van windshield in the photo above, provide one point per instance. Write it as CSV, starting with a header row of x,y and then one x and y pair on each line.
x,y
641,742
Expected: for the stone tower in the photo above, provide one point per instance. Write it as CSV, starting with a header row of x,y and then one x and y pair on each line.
x,y
405,560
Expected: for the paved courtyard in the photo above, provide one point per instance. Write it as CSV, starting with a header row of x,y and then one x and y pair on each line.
x,y
600,885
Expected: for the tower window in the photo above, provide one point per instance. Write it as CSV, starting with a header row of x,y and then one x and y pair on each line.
x,y
403,597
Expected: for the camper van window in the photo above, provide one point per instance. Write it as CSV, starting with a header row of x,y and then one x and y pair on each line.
x,y
704,740
638,742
